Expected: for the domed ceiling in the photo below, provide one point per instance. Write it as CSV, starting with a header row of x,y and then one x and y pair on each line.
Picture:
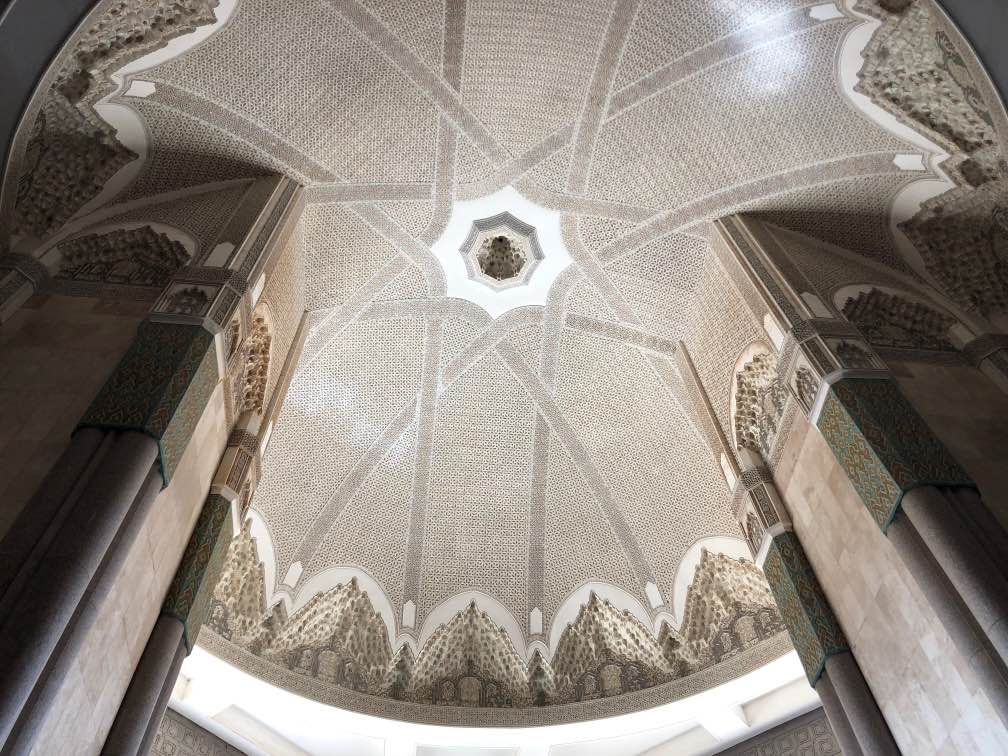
x,y
485,469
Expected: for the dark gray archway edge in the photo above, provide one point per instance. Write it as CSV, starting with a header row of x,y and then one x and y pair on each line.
x,y
984,23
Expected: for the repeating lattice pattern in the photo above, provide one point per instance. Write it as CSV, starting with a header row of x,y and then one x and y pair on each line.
x,y
338,640
664,31
284,296
406,448
781,86
342,252
759,403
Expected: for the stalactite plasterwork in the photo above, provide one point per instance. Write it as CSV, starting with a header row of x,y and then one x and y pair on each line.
x,y
759,403
914,70
338,639
256,369
139,256
72,152
889,320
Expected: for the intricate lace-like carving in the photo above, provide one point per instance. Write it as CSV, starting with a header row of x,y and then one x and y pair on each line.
x,y
962,237
257,362
889,320
139,256
338,639
913,70
72,152
759,403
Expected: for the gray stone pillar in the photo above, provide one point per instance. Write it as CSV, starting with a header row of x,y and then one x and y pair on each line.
x,y
971,571
40,615
71,644
915,491
185,607
149,691
39,521
953,613
837,717
859,706
823,647
128,444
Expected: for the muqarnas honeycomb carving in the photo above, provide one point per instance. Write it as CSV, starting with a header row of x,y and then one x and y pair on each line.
x,y
501,251
339,640
500,258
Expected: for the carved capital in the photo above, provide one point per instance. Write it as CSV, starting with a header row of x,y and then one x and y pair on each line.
x,y
883,444
160,387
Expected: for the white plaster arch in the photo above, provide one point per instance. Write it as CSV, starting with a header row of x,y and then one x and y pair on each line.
x,y
753,350
266,552
916,192
736,548
568,611
499,613
341,575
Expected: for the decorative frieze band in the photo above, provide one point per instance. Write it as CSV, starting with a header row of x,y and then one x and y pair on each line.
x,y
883,444
803,606
160,388
191,590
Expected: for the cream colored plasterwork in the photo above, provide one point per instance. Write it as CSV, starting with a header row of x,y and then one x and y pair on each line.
x,y
444,445
460,279
338,641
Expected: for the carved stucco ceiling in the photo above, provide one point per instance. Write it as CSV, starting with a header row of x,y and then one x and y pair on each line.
x,y
426,445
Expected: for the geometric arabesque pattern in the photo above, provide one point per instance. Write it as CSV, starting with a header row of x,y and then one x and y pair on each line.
x,y
159,388
191,590
806,612
884,445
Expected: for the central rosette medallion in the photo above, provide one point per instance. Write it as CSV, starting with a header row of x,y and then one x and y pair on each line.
x,y
501,252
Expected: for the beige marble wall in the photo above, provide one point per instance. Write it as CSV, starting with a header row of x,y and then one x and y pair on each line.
x,y
90,696
55,353
924,687
969,413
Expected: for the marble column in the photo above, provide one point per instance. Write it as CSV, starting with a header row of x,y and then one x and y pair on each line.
x,y
926,504
147,697
184,610
839,723
822,646
125,449
41,615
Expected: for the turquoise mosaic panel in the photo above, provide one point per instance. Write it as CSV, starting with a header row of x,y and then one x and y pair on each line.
x,y
814,630
192,588
160,387
883,445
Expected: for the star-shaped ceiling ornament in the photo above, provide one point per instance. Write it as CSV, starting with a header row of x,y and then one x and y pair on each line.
x,y
501,252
